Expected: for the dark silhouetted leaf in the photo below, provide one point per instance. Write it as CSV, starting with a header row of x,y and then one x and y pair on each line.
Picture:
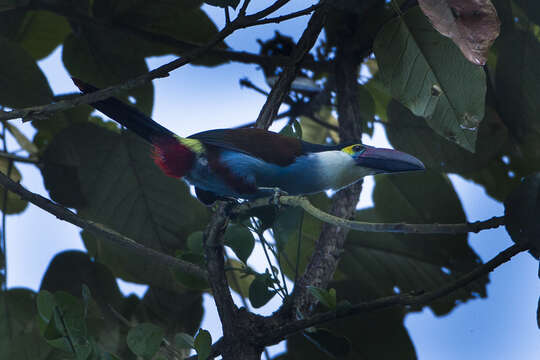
x,y
21,81
240,240
97,59
260,292
519,94
472,25
144,339
203,344
195,242
426,73
522,213
189,280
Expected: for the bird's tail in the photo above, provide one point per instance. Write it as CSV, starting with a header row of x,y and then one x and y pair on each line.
x,y
126,115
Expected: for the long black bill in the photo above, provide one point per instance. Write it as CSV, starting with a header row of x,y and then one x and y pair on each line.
x,y
388,160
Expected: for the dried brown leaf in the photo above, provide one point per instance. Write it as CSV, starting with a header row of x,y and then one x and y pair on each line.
x,y
473,25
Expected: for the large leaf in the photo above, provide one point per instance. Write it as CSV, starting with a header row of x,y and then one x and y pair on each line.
x,y
97,58
144,339
518,88
123,189
148,20
21,81
381,263
19,334
426,73
38,32
411,134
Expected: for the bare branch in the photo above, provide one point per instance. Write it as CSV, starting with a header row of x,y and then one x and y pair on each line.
x,y
24,159
413,298
282,86
293,15
100,230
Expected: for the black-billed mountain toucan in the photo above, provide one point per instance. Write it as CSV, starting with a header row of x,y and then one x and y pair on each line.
x,y
249,163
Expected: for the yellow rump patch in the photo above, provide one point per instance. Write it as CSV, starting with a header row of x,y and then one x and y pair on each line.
x,y
193,144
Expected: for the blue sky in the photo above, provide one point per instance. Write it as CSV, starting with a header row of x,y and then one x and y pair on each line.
x,y
196,98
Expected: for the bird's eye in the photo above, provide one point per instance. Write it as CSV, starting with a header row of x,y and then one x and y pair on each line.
x,y
358,148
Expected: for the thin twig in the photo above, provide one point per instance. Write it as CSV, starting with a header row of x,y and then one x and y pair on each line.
x,y
293,15
24,159
100,230
413,298
402,228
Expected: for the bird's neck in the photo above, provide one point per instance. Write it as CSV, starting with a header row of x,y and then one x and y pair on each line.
x,y
175,155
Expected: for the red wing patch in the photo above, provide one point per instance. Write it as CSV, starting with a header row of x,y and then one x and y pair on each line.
x,y
172,157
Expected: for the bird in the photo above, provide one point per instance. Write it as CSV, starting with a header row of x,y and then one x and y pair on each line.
x,y
249,163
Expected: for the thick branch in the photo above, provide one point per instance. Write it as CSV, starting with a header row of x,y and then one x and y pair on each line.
x,y
414,298
282,86
24,159
100,230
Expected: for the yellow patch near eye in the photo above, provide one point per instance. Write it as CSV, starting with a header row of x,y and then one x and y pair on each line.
x,y
193,144
349,149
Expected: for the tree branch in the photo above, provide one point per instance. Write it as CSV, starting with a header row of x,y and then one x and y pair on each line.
x,y
282,86
100,230
413,298
293,15
215,264
24,159
401,228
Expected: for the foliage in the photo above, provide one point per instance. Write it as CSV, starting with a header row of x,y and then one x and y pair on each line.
x,y
428,93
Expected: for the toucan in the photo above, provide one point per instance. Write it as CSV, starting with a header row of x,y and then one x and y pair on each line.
x,y
248,163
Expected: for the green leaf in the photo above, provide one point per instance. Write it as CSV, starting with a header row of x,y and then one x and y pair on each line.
x,y
184,341
203,344
292,129
240,240
287,226
259,292
334,345
45,305
41,32
195,242
325,297
223,3
427,73
123,189
14,204
522,211
380,264
20,337
97,59
240,278
412,135
144,339
21,81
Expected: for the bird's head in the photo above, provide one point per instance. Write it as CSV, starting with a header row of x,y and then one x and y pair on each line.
x,y
378,160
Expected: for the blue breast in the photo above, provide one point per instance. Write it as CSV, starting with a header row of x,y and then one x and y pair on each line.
x,y
301,177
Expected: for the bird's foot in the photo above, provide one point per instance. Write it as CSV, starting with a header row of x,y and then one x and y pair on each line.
x,y
277,194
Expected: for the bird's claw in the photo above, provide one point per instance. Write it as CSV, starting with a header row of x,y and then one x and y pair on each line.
x,y
277,194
